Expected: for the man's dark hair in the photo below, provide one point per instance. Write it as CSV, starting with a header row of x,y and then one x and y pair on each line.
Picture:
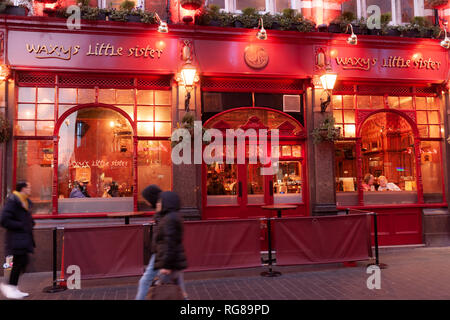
x,y
21,185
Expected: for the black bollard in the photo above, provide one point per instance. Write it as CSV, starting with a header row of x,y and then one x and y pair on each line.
x,y
55,287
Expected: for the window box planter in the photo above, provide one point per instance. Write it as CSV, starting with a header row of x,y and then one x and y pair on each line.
x,y
334,28
374,32
133,18
16,11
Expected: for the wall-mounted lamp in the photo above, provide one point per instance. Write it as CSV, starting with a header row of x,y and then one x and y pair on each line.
x,y
446,42
262,33
328,80
5,72
189,76
353,39
162,28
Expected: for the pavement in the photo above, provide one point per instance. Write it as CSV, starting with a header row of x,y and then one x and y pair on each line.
x,y
411,273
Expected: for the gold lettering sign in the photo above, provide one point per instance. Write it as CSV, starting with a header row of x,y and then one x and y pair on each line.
x,y
42,51
366,64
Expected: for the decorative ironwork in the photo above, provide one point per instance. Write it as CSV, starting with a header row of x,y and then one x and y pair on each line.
x,y
256,85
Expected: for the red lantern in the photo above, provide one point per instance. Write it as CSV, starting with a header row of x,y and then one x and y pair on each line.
x,y
191,4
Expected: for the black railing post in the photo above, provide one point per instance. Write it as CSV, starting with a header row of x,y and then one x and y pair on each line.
x,y
375,230
54,287
270,273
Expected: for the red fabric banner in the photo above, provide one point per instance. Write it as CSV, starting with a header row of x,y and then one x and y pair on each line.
x,y
222,244
329,239
105,252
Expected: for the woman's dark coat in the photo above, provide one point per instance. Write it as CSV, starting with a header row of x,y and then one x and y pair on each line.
x,y
19,224
167,244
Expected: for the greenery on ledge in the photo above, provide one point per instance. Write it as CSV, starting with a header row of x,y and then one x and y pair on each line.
x,y
326,131
288,20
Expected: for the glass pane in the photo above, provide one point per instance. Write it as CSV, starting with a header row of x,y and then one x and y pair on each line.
x,y
336,102
282,4
349,130
34,165
350,6
406,103
432,103
162,129
349,102
27,94
63,108
363,102
377,102
388,160
95,161
407,10
435,131
145,97
86,95
430,156
220,3
154,167
286,151
129,110
46,95
421,103
163,114
221,184
145,113
423,131
255,184
162,97
26,111
433,117
337,116
145,129
349,116
25,128
385,6
346,175
296,151
67,95
113,4
393,102
260,5
421,117
46,112
287,182
125,96
107,96
45,128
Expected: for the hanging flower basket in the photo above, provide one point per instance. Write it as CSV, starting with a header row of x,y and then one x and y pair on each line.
x,y
191,4
437,4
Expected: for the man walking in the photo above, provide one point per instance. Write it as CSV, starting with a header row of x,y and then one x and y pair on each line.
x,y
17,220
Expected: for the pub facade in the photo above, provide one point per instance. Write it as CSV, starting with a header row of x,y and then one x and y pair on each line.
x,y
97,106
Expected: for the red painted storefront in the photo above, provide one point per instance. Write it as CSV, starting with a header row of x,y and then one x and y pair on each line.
x,y
105,57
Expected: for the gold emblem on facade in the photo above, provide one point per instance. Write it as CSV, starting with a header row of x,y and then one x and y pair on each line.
x,y
256,57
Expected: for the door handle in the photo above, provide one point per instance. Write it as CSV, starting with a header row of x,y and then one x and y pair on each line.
x,y
271,188
240,188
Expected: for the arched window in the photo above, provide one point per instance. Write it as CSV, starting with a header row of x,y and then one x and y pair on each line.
x,y
95,154
388,159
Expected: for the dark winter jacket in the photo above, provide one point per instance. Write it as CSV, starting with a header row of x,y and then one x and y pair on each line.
x,y
19,224
168,240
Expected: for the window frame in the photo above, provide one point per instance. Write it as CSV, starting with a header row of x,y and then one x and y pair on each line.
x,y
418,138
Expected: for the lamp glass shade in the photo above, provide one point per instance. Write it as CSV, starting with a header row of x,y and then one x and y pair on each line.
x,y
328,80
188,74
